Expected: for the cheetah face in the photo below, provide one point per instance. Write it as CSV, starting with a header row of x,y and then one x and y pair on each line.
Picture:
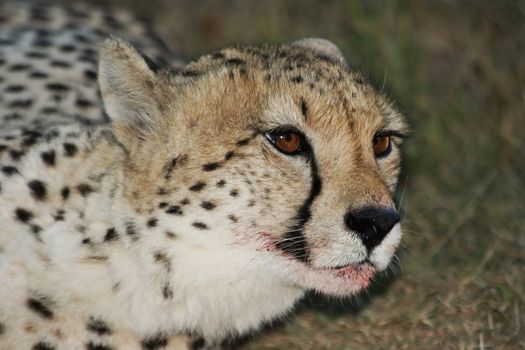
x,y
275,161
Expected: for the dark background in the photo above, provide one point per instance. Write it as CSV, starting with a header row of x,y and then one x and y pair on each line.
x,y
457,70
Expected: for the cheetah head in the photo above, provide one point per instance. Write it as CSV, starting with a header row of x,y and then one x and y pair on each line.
x,y
277,162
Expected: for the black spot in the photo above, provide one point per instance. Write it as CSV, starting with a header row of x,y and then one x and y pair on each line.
x,y
12,116
57,87
152,222
38,75
220,183
98,326
211,166
49,110
161,258
163,205
29,141
97,346
234,193
228,155
170,166
8,170
48,157
190,73
167,291
41,307
59,215
67,48
39,14
171,235
43,346
90,74
65,192
234,62
20,103
297,79
82,38
60,64
174,210
304,108
208,205
83,103
36,229
2,328
198,344
86,241
85,189
155,342
217,55
200,225
243,142
38,189
14,88
185,201
19,67
16,154
111,235
5,41
23,215
32,133
70,149
131,230
233,218
197,186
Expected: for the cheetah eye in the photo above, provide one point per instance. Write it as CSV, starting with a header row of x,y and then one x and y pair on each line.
x,y
382,145
288,141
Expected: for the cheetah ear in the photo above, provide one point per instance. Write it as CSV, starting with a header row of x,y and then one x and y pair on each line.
x,y
322,47
127,86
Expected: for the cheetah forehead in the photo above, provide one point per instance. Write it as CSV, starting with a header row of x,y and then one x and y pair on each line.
x,y
290,78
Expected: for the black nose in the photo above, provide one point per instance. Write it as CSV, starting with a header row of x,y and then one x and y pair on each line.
x,y
371,224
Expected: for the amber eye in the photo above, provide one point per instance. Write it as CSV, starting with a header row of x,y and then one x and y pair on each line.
x,y
382,145
286,141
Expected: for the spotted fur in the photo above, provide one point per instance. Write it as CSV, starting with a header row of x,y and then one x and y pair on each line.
x,y
174,222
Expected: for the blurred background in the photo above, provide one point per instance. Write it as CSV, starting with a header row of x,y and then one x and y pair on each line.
x,y
456,68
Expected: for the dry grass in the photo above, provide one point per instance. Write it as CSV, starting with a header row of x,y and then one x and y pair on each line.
x,y
458,70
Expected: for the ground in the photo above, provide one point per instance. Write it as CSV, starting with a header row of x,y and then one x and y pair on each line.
x,y
457,70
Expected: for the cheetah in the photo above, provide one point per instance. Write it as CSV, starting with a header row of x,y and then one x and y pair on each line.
x,y
149,203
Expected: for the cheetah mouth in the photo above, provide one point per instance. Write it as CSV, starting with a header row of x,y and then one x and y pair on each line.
x,y
340,280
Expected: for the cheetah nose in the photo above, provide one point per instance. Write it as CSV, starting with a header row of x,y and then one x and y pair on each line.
x,y
371,224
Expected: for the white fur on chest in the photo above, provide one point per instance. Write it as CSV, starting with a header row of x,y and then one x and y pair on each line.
x,y
216,292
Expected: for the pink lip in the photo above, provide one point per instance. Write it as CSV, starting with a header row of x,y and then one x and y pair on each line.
x,y
360,273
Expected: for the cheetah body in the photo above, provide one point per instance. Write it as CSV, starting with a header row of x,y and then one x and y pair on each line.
x,y
160,213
